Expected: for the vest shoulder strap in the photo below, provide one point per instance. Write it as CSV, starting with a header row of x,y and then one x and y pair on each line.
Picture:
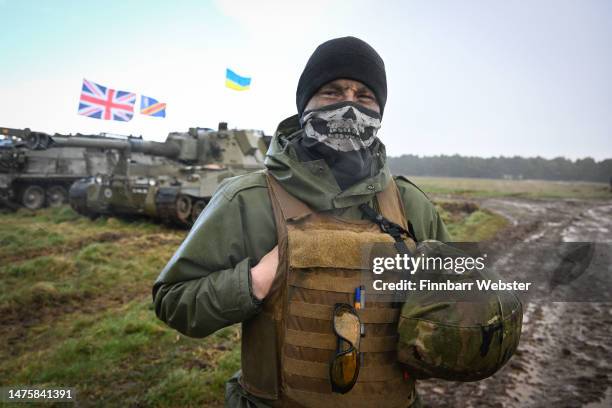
x,y
391,205
290,207
389,202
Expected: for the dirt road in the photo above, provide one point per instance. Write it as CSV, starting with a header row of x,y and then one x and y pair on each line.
x,y
565,355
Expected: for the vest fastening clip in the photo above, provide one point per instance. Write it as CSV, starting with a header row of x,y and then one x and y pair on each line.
x,y
388,227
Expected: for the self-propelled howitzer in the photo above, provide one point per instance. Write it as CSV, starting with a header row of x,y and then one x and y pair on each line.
x,y
171,181
34,175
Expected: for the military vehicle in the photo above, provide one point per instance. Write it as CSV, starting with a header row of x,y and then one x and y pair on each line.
x,y
33,176
171,181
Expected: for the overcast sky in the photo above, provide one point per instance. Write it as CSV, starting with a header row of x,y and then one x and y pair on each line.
x,y
481,78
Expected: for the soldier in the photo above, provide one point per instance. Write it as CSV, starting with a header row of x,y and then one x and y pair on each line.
x,y
278,249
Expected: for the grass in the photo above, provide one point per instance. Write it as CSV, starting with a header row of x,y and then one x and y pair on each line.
x,y
466,222
75,310
473,187
125,356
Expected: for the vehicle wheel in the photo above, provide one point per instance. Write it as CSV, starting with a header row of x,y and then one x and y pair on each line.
x,y
183,209
33,197
198,207
56,196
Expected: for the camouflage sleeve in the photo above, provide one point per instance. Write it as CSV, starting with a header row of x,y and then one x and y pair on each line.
x,y
206,284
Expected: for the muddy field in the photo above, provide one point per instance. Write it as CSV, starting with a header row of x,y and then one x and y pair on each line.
x,y
565,355
75,310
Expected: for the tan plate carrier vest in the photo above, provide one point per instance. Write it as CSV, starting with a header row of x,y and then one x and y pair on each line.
x,y
288,346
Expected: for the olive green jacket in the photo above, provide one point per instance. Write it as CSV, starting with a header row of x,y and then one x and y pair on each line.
x,y
206,285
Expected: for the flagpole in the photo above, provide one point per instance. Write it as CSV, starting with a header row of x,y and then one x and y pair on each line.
x,y
238,85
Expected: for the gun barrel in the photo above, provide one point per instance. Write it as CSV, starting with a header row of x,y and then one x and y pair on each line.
x,y
78,141
168,149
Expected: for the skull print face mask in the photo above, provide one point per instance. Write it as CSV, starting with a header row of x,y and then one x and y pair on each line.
x,y
344,135
344,126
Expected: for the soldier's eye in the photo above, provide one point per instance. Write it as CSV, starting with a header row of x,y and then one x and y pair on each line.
x,y
330,92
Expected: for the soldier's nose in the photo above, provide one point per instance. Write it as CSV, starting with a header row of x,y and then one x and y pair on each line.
x,y
349,96
349,114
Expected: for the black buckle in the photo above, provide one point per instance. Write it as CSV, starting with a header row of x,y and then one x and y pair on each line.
x,y
385,225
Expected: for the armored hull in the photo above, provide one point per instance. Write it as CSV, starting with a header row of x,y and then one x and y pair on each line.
x,y
171,181
34,176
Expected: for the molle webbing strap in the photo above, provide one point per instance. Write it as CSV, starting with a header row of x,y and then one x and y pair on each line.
x,y
316,369
326,283
291,207
328,341
367,398
325,312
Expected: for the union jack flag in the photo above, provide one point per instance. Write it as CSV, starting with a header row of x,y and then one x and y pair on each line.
x,y
100,102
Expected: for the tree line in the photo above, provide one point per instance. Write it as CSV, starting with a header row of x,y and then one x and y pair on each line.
x,y
515,167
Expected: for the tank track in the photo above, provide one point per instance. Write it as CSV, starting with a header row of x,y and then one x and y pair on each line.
x,y
165,203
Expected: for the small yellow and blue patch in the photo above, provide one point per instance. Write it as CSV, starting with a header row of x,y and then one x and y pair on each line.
x,y
235,81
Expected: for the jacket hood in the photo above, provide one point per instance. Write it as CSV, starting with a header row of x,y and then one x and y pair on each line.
x,y
313,181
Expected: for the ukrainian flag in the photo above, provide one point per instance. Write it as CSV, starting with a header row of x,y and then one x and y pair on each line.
x,y
151,107
235,81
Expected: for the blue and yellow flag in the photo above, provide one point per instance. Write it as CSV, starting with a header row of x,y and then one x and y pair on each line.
x,y
151,107
235,81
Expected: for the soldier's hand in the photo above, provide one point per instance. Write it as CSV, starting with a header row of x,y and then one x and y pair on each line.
x,y
263,274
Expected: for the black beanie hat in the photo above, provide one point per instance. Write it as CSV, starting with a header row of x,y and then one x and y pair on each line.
x,y
346,57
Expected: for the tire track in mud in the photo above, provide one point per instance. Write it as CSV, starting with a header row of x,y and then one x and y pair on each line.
x,y
565,354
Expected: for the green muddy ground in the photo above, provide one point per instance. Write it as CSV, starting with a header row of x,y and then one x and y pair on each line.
x,y
75,309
